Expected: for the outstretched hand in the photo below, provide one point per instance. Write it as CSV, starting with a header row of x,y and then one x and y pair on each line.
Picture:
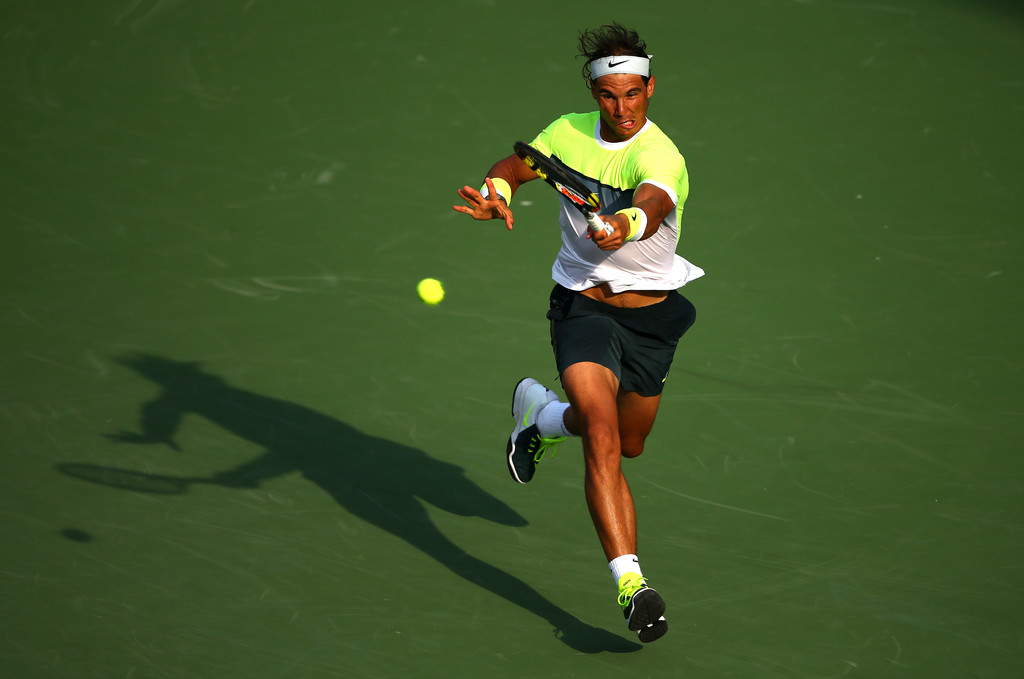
x,y
479,207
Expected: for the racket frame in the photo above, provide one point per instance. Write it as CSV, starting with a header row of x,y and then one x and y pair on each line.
x,y
582,198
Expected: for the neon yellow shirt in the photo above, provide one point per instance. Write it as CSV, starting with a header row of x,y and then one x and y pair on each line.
x,y
614,170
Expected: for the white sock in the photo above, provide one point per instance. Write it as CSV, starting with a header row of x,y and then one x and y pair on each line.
x,y
551,420
627,563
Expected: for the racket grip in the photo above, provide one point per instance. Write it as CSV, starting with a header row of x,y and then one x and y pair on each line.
x,y
596,224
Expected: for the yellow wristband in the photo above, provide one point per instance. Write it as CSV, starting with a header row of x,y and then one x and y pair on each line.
x,y
637,222
501,187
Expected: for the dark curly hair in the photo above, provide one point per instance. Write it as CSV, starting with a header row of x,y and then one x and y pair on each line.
x,y
609,40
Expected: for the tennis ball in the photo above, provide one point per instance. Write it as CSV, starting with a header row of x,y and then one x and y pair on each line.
x,y
430,291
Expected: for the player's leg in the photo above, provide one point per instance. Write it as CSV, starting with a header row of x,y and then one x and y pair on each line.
x,y
592,390
594,395
646,360
635,415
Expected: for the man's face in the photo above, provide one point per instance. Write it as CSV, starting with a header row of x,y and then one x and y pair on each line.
x,y
623,99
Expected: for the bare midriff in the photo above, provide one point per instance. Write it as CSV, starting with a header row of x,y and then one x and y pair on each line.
x,y
628,299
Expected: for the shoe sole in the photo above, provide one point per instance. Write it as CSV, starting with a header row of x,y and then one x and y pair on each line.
x,y
509,450
648,611
654,631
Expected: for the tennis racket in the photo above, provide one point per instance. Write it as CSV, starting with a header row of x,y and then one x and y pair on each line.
x,y
585,200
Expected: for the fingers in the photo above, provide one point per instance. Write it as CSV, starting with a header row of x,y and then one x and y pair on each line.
x,y
471,195
606,240
499,206
481,208
476,205
506,214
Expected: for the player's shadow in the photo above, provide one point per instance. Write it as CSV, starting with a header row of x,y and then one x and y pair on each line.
x,y
380,481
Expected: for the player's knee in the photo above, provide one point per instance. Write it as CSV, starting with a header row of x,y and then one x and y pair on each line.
x,y
632,446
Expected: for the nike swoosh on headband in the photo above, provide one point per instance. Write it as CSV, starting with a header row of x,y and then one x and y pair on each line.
x,y
620,63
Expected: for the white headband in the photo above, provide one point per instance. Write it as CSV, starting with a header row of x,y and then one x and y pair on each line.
x,y
620,64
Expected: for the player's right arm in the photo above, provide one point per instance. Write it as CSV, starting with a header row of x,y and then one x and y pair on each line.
x,y
513,172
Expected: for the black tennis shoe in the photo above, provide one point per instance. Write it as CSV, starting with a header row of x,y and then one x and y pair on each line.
x,y
643,608
526,446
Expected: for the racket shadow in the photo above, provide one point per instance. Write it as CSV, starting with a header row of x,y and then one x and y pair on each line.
x,y
126,479
382,482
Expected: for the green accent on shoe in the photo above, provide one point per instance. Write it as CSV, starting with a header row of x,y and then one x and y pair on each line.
x,y
544,444
630,584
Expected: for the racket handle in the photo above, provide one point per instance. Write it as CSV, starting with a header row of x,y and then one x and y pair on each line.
x,y
596,224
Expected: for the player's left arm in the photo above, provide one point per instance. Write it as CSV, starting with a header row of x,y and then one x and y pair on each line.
x,y
511,170
656,205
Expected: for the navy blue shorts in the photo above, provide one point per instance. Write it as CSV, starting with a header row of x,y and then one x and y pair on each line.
x,y
636,344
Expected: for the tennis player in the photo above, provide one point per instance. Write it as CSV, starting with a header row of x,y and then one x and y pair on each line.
x,y
616,317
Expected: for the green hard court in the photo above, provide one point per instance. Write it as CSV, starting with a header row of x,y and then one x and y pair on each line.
x,y
236,444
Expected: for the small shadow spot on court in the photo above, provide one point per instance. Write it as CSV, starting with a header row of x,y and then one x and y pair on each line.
x,y
77,535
